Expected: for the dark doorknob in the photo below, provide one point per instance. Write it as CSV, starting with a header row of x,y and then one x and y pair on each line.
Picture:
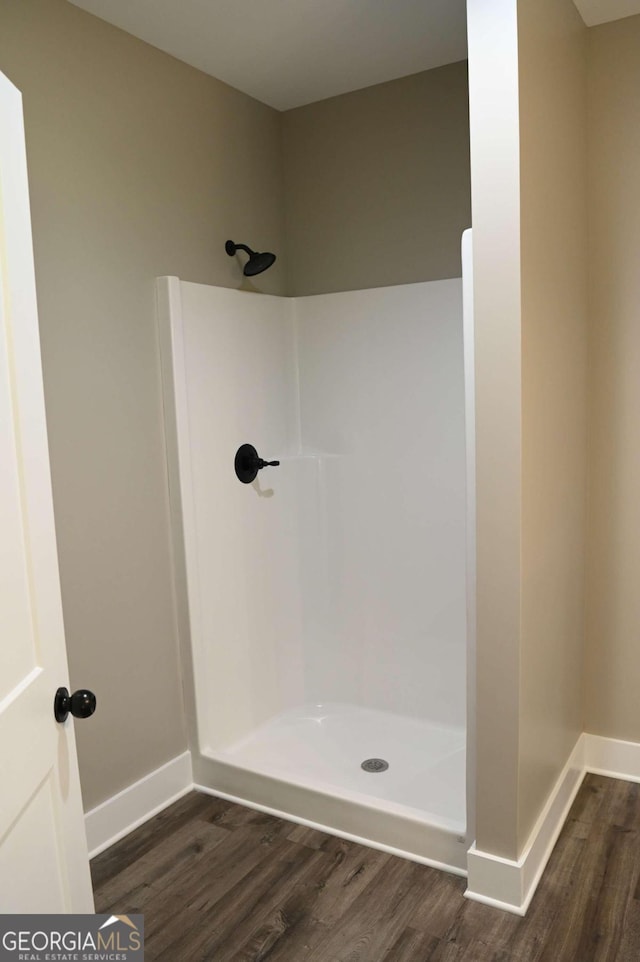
x,y
248,462
81,704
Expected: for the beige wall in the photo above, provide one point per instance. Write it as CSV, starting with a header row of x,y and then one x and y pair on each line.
x,y
553,170
612,677
138,166
527,93
377,184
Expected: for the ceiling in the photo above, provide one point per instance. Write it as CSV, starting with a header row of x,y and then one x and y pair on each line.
x,y
292,52
287,53
601,11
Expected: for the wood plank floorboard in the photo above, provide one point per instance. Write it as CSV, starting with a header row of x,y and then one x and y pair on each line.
x,y
218,882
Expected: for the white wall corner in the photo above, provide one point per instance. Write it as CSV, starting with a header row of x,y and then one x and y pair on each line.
x,y
510,885
612,757
121,814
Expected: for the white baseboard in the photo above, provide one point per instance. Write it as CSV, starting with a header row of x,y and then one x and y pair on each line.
x,y
612,757
510,885
119,815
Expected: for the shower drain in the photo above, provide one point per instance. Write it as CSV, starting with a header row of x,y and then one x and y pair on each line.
x,y
375,765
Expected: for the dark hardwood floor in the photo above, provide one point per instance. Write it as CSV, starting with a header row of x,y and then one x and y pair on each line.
x,y
219,882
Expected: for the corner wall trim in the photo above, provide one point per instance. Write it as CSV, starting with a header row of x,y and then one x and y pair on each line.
x,y
510,885
112,820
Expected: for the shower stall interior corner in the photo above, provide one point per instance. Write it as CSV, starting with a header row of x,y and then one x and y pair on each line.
x,y
326,598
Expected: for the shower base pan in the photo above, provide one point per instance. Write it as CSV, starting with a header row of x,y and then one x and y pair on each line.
x,y
306,765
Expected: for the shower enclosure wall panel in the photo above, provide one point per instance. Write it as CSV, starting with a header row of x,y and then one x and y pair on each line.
x,y
233,355
326,601
382,394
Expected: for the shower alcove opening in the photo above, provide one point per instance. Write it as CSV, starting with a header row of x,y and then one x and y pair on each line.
x,y
323,607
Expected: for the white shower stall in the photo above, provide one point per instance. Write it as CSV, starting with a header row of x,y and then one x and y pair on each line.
x,y
323,606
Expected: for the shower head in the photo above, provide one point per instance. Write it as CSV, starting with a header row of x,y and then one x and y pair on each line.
x,y
257,263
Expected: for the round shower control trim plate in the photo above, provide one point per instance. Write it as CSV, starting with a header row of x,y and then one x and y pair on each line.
x,y
375,765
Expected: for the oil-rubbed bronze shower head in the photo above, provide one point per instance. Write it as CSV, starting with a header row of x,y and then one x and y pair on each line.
x,y
257,262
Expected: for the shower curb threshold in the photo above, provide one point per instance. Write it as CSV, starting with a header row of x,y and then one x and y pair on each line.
x,y
321,827
394,831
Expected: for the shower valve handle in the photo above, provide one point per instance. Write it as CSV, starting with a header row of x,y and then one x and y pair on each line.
x,y
248,463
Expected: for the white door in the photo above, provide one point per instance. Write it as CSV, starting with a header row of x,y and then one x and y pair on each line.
x,y
43,850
